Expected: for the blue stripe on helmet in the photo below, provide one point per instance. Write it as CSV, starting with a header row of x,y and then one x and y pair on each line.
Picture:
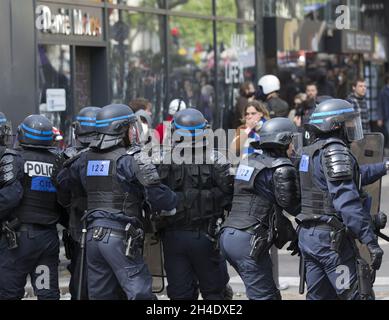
x,y
38,138
45,133
85,118
200,126
316,121
189,134
102,125
3,120
88,124
332,113
114,119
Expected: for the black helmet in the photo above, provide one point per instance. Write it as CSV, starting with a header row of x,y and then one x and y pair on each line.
x,y
36,131
85,124
189,125
336,115
276,133
112,124
5,129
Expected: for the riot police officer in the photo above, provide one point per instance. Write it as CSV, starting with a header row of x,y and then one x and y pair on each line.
x,y
11,189
263,186
34,250
76,201
203,184
333,214
117,179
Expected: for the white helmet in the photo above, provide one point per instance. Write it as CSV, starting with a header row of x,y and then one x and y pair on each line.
x,y
269,83
176,105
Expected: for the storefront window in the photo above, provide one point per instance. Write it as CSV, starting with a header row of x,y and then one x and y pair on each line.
x,y
136,61
236,47
243,9
192,63
203,7
159,4
54,71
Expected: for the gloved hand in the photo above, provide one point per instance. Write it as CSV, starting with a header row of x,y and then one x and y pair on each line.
x,y
380,220
376,254
293,246
57,167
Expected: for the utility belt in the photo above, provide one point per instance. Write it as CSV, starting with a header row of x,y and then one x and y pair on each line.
x,y
334,225
132,237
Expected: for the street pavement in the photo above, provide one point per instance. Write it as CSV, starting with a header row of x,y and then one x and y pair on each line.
x,y
288,269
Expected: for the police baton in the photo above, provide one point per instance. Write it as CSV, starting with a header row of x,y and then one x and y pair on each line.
x,y
82,258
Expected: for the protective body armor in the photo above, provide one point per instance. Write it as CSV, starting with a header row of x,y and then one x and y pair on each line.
x,y
104,191
199,195
39,204
79,200
248,207
316,202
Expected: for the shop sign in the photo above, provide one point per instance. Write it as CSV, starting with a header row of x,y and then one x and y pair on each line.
x,y
55,100
357,42
65,21
234,72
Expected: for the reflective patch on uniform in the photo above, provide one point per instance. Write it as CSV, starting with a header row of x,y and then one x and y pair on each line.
x,y
304,163
42,184
99,168
244,173
40,169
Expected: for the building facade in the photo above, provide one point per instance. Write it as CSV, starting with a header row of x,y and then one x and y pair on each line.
x,y
57,56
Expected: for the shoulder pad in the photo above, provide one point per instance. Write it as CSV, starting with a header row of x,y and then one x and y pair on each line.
x,y
286,185
134,149
337,162
10,151
8,170
281,162
76,156
70,152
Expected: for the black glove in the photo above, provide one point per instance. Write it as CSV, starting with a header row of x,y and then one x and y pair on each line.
x,y
379,221
57,167
294,248
376,254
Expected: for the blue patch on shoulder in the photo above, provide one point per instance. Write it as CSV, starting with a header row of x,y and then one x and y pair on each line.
x,y
244,173
98,168
304,163
42,184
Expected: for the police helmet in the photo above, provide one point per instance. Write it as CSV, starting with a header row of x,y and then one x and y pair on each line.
x,y
276,133
190,126
36,131
85,124
266,85
176,105
5,129
336,115
112,126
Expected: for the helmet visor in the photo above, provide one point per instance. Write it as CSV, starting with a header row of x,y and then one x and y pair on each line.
x,y
296,147
6,133
353,128
134,133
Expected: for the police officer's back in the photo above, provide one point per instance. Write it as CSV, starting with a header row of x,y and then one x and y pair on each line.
x,y
333,214
203,184
118,179
35,218
264,185
74,198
